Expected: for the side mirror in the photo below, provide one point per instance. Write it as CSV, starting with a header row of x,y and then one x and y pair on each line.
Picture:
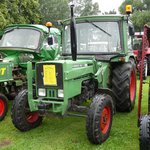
x,y
50,41
131,31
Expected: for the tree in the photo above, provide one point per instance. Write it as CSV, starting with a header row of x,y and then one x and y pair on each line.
x,y
59,9
139,19
3,12
53,10
141,12
86,8
17,11
147,4
110,12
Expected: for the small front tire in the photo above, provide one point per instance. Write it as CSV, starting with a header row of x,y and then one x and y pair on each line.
x,y
22,118
99,119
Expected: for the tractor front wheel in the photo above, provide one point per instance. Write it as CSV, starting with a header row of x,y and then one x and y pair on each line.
x,y
3,106
144,133
99,119
22,118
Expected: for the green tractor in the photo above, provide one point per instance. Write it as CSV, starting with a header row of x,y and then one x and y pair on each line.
x,y
97,66
21,43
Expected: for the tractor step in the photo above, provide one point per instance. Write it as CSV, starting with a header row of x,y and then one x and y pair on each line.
x,y
79,108
43,107
75,115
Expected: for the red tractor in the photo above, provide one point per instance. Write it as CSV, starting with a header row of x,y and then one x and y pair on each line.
x,y
144,120
138,51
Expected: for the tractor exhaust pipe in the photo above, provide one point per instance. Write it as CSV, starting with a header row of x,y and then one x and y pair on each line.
x,y
73,35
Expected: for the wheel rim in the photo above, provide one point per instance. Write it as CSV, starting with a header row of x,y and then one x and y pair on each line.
x,y
32,117
132,86
2,107
105,120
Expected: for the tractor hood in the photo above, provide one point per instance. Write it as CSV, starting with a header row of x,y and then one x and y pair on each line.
x,y
55,73
16,57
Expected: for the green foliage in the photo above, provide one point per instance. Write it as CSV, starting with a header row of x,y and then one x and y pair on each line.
x,y
69,133
17,11
110,12
41,11
86,8
147,4
59,9
141,12
139,19
53,10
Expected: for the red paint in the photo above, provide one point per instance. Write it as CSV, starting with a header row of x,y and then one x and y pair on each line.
x,y
2,107
136,53
145,46
132,86
32,117
105,119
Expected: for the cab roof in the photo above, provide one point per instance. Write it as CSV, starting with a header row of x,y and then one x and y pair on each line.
x,y
41,28
98,18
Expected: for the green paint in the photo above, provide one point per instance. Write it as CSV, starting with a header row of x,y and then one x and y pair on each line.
x,y
21,43
6,72
94,61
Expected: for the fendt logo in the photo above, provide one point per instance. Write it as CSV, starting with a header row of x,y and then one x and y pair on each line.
x,y
2,71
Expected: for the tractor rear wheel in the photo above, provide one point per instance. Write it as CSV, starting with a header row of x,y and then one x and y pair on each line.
x,y
3,106
144,133
22,118
124,86
99,119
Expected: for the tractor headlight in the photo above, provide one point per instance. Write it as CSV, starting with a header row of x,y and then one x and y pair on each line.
x,y
42,92
60,93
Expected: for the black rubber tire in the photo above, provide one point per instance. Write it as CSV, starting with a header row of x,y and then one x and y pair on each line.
x,y
21,114
144,133
95,133
122,86
3,106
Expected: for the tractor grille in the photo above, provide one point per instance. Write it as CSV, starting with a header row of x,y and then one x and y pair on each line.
x,y
49,75
52,93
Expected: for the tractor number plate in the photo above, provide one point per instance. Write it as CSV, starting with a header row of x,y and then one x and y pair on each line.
x,y
49,72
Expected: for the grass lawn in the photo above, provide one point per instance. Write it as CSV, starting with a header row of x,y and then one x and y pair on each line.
x,y
69,133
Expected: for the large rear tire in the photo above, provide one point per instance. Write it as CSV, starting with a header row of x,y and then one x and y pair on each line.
x,y
3,106
22,118
99,119
144,133
124,86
